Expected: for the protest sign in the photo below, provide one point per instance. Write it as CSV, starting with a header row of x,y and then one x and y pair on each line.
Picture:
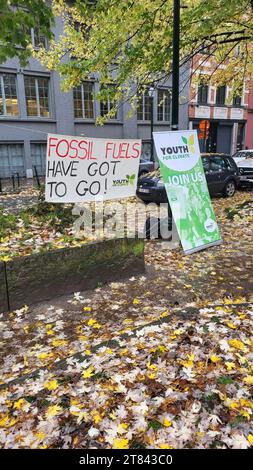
x,y
82,169
186,187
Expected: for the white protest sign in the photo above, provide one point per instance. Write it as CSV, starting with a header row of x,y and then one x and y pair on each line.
x,y
81,169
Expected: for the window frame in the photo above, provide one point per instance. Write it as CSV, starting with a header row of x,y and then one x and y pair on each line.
x,y
235,104
36,78
108,103
83,117
224,87
36,47
202,86
163,103
10,156
2,86
143,95
39,143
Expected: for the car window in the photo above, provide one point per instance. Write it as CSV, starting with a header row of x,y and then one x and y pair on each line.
x,y
217,163
230,164
205,161
243,155
240,155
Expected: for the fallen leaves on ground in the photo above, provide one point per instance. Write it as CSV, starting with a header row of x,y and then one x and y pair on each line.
x,y
183,383
156,361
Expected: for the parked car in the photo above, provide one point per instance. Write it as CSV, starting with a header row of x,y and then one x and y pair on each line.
x,y
242,154
245,166
146,166
221,172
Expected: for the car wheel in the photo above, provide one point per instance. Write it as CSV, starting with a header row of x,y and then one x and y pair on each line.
x,y
229,189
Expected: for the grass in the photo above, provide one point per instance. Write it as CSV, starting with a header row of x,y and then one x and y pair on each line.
x,y
8,222
55,216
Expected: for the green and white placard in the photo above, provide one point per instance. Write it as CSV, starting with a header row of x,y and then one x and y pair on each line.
x,y
185,182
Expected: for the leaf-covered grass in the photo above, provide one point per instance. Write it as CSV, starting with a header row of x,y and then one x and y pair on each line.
x,y
238,210
8,222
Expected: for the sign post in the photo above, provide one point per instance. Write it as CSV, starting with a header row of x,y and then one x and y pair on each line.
x,y
187,191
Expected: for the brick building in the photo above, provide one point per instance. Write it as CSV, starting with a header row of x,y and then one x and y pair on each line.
x,y
249,127
228,115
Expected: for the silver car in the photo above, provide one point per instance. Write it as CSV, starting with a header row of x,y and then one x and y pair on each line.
x,y
244,161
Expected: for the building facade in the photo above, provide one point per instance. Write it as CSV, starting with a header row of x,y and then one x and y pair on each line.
x,y
33,105
249,127
227,114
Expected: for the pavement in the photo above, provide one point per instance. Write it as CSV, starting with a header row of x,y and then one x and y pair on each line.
x,y
18,199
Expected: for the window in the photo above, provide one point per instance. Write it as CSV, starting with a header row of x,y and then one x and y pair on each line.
x,y
8,95
237,101
37,96
144,106
38,155
221,95
202,93
163,105
242,155
230,164
217,163
38,38
107,104
11,160
206,163
83,101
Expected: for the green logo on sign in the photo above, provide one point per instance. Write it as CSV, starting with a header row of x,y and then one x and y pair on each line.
x,y
130,179
190,143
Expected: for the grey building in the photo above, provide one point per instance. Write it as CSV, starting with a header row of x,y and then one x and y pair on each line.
x,y
33,105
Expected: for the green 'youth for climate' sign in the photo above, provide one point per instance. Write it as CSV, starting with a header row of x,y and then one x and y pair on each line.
x,y
186,187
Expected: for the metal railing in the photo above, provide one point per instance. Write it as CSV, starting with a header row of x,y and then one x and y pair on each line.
x,y
17,182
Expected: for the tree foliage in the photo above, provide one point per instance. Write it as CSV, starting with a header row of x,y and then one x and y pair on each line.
x,y
130,41
17,17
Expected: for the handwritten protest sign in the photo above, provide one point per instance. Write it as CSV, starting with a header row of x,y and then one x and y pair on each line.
x,y
81,169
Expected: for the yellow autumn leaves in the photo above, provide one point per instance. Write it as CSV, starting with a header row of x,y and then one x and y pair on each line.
x,y
248,379
94,323
189,362
215,358
237,344
88,372
52,411
120,443
51,385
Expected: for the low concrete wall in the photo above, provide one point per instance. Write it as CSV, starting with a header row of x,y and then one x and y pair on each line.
x,y
50,274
